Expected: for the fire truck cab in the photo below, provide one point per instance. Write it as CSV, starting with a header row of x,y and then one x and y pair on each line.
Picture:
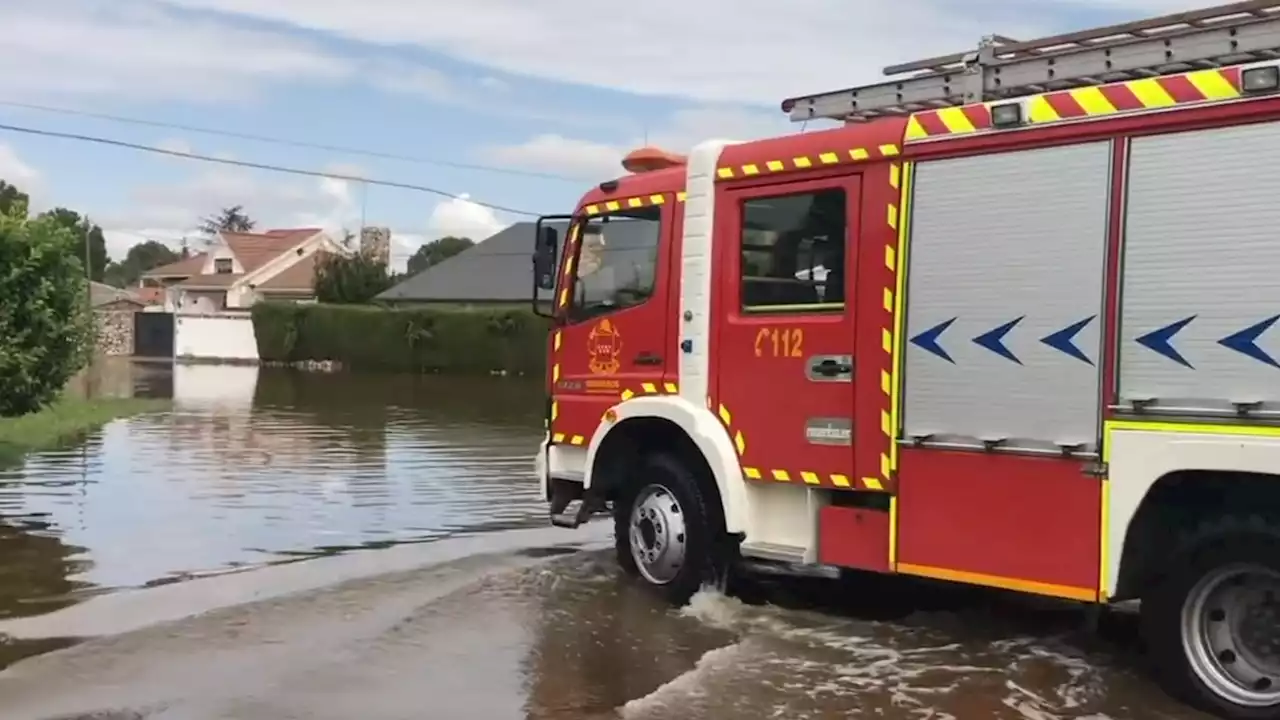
x,y
1007,326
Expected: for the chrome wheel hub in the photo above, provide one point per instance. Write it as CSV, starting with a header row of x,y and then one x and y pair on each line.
x,y
1231,634
657,534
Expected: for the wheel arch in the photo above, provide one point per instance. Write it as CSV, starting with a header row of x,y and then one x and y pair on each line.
x,y
672,423
1176,513
1165,478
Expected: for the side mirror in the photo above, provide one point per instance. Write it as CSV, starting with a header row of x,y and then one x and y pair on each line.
x,y
544,258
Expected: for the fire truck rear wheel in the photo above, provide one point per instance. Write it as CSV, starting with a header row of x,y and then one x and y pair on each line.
x,y
666,531
1213,625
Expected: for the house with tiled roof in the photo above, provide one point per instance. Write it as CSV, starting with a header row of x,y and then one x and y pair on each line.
x,y
240,269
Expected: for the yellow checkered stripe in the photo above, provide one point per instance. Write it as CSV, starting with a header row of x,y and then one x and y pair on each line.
x,y
726,418
891,305
608,206
630,203
806,162
666,388
649,388
802,476
1153,93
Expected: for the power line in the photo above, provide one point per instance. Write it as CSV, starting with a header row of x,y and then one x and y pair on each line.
x,y
291,143
258,166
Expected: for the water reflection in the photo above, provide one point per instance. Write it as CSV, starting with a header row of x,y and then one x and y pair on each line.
x,y
257,466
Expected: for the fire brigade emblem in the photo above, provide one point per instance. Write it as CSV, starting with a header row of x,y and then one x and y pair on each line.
x,y
604,345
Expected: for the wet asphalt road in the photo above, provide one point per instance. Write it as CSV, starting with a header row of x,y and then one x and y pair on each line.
x,y
555,633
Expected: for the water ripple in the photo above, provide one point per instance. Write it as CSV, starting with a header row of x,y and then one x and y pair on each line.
x,y
253,467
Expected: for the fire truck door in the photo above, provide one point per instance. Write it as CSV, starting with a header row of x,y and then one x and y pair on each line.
x,y
785,356
613,341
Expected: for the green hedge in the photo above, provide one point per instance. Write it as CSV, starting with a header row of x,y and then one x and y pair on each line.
x,y
446,339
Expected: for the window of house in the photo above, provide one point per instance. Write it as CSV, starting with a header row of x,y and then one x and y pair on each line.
x,y
793,252
222,266
617,262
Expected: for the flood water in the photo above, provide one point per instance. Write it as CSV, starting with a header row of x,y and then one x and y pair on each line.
x,y
253,469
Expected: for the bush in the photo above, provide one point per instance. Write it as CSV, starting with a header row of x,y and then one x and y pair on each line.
x,y
45,323
351,280
361,337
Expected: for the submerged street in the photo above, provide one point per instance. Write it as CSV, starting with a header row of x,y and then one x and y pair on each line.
x,y
293,546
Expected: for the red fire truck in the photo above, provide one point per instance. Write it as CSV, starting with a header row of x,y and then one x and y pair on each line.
x,y
1009,325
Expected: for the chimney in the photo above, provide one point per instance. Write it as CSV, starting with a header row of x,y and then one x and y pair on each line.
x,y
375,242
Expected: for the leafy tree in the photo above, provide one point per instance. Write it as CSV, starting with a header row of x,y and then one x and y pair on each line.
x,y
141,257
13,200
436,252
350,280
230,219
45,328
78,226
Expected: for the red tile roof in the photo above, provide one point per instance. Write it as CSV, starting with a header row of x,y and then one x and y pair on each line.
x,y
212,280
254,250
182,268
300,276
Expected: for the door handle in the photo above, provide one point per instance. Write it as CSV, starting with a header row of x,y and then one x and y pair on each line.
x,y
830,367
648,358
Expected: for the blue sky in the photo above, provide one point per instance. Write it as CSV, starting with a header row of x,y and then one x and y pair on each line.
x,y
547,93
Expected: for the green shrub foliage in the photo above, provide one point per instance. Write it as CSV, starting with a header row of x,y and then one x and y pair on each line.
x,y
422,340
351,280
45,322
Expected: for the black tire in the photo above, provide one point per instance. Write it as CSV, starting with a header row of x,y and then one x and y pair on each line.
x,y
1212,547
706,558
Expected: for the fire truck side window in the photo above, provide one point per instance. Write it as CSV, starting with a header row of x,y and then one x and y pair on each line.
x,y
617,262
793,252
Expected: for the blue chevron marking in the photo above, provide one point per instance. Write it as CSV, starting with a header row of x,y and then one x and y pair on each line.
x,y
1160,341
1245,342
928,340
1064,340
993,340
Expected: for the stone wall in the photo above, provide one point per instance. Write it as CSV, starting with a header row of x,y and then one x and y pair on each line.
x,y
114,330
375,242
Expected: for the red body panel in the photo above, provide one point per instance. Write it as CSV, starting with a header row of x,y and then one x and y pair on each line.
x,y
854,538
761,371
1020,522
595,363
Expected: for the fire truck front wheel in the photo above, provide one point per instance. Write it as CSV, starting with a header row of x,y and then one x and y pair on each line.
x,y
666,530
1213,625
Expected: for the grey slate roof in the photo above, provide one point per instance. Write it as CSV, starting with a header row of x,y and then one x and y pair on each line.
x,y
499,269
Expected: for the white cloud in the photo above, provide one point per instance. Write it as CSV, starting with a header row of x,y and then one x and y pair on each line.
x,y
168,212
462,218
126,49
680,132
16,171
757,51
171,211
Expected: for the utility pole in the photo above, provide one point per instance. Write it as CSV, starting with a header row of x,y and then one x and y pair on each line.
x,y
88,296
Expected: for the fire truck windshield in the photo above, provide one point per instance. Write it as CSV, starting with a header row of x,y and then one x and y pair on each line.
x,y
616,262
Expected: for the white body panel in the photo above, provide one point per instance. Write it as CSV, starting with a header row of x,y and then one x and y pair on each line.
x,y
695,269
706,432
1141,453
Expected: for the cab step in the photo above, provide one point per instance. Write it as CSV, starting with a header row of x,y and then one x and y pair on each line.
x,y
570,506
572,515
775,552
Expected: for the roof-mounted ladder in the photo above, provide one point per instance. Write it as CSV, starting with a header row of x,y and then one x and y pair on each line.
x,y
1002,68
